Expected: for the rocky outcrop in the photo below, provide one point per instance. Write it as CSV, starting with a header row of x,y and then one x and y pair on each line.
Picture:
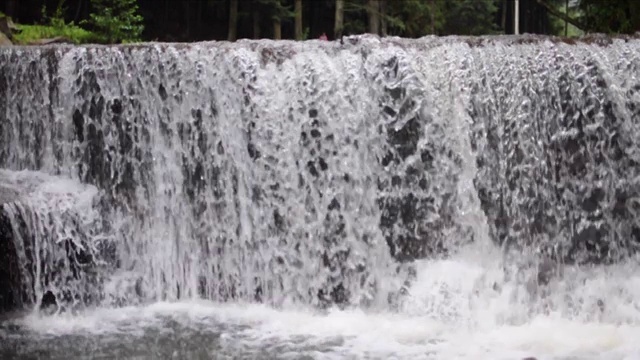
x,y
558,170
49,254
7,27
9,266
4,40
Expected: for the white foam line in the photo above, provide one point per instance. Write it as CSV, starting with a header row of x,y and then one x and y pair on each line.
x,y
362,334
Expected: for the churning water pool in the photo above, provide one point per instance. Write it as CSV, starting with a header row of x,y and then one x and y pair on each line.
x,y
449,313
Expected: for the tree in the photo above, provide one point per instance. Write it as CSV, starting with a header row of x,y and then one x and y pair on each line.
x,y
470,17
233,20
339,19
278,12
373,11
116,21
432,12
298,19
414,18
612,16
384,29
255,9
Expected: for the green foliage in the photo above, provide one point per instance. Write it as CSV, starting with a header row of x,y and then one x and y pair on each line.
x,y
116,21
54,26
558,24
413,18
57,19
469,17
29,34
611,16
277,9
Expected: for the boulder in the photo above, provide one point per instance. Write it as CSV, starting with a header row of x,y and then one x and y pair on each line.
x,y
4,40
7,26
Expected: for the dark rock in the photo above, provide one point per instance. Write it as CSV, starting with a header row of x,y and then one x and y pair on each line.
x,y
7,26
9,266
547,270
334,205
48,303
576,187
10,280
4,40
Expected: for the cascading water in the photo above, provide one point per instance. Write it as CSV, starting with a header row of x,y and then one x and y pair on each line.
x,y
422,186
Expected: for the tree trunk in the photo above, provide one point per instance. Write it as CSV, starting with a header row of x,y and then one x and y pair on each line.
x,y
373,9
339,21
256,19
298,19
562,16
503,22
634,10
432,12
383,17
516,17
277,29
566,23
76,17
233,20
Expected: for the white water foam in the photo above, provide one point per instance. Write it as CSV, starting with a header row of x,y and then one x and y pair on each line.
x,y
450,312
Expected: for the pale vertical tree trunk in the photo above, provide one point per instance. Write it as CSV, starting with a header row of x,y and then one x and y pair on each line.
x,y
383,17
516,17
233,20
373,9
298,19
277,29
256,20
339,21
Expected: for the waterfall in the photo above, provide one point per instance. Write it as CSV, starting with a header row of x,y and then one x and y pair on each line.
x,y
311,173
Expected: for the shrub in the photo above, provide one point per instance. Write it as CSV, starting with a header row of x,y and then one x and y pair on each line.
x,y
116,21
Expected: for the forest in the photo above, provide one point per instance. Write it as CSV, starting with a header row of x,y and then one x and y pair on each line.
x,y
115,21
